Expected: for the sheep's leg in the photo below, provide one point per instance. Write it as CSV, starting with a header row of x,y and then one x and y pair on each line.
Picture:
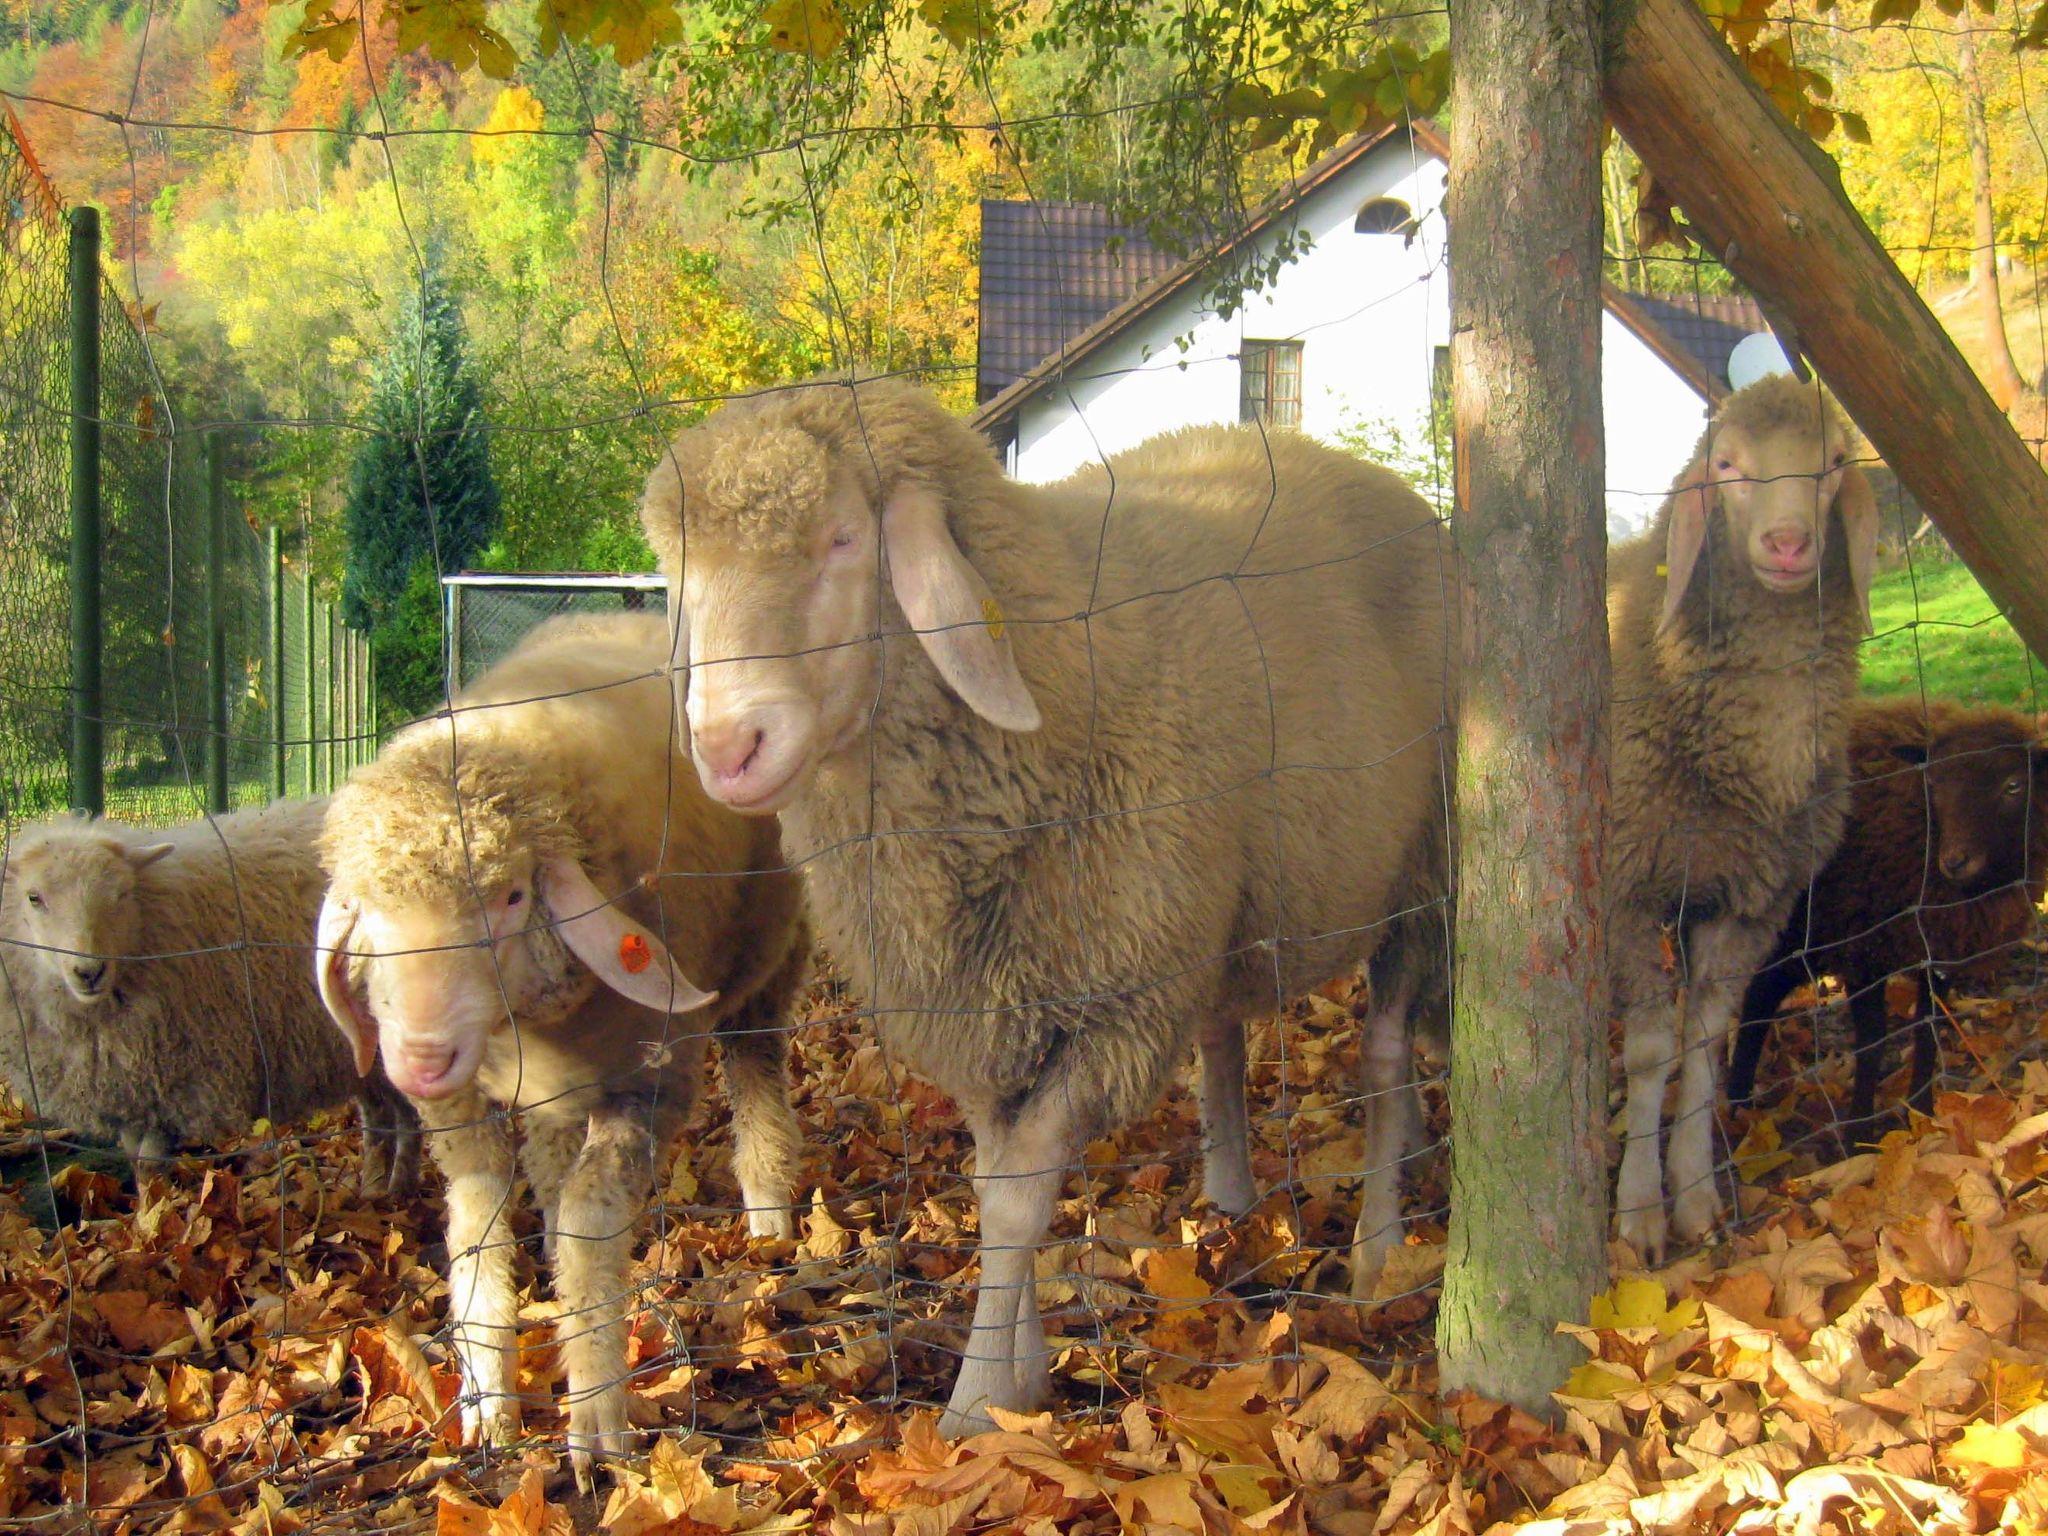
x,y
548,1148
1926,1045
473,1147
1870,1025
1017,1176
1393,1130
603,1198
148,1149
391,1142
1721,958
1767,992
767,1142
1226,1135
1649,1051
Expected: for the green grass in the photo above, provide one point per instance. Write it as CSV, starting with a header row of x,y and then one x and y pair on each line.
x,y
1937,630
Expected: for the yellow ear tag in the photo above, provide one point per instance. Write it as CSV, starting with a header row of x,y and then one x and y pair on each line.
x,y
992,616
1663,570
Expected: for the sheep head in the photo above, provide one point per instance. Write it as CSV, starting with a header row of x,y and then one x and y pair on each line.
x,y
1987,790
1775,461
74,884
798,529
440,928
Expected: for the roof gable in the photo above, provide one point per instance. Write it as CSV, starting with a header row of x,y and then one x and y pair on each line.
x,y
1067,279
1048,272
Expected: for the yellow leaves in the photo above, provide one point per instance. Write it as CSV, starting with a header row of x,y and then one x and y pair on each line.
x,y
1761,1150
811,27
1639,1302
1987,1446
457,32
525,1512
515,113
1169,1273
675,1494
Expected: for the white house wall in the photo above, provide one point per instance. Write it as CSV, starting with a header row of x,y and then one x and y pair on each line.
x,y
1370,311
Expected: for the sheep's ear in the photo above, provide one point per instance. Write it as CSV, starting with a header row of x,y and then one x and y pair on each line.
x,y
330,970
1684,536
1857,503
625,956
142,858
956,617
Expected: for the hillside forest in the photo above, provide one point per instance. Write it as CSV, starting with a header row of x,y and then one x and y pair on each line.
x,y
332,249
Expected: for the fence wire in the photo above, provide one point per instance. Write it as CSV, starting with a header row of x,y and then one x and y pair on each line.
x,y
247,1343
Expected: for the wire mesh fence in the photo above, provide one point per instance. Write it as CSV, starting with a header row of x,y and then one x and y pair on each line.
x,y
195,679
312,1361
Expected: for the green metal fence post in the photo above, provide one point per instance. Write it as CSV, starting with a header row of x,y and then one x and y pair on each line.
x,y
273,662
216,627
333,697
88,778
312,782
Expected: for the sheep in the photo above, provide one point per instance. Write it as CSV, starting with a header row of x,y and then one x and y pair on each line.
x,y
1078,775
1943,864
160,992
526,890
1734,626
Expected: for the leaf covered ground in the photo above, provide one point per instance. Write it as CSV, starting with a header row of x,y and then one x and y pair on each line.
x,y
249,1347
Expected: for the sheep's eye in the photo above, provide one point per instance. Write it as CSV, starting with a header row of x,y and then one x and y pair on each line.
x,y
2013,785
843,539
1723,464
35,899
1840,458
516,897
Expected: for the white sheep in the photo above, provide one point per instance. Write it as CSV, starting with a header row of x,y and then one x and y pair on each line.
x,y
1078,775
528,891
1734,625
154,989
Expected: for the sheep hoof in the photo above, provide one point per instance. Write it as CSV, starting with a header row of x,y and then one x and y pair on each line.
x,y
490,1419
771,1221
955,1425
1368,1258
1696,1213
1644,1231
597,1428
1229,1191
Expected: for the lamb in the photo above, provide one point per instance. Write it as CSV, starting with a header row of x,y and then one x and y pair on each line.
x,y
159,991
1943,865
527,891
1078,775
1732,683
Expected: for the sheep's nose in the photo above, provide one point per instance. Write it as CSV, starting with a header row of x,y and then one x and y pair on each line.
x,y
727,746
1959,867
90,973
1787,543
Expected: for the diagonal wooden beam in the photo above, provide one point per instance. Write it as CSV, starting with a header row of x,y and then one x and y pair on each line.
x,y
1770,205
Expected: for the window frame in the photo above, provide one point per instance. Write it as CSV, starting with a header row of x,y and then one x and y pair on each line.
x,y
1264,403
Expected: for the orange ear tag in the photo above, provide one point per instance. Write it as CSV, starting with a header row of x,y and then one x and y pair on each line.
x,y
634,954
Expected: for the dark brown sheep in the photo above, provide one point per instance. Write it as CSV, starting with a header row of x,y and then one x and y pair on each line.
x,y
1901,897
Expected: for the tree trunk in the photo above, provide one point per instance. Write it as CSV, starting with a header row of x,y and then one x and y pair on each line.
x,y
1529,1032
2002,375
1771,205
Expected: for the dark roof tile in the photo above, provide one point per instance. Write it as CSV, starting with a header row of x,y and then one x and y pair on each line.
x,y
1048,272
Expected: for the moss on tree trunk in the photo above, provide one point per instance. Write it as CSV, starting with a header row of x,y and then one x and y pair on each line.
x,y
1529,1051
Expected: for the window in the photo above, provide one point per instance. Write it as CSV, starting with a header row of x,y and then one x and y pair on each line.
x,y
1271,389
1385,216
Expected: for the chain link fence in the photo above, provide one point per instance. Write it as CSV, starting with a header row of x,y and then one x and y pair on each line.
x,y
223,678
489,612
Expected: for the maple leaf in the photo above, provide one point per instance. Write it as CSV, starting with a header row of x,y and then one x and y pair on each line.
x,y
525,1512
804,26
1639,1302
1761,1150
